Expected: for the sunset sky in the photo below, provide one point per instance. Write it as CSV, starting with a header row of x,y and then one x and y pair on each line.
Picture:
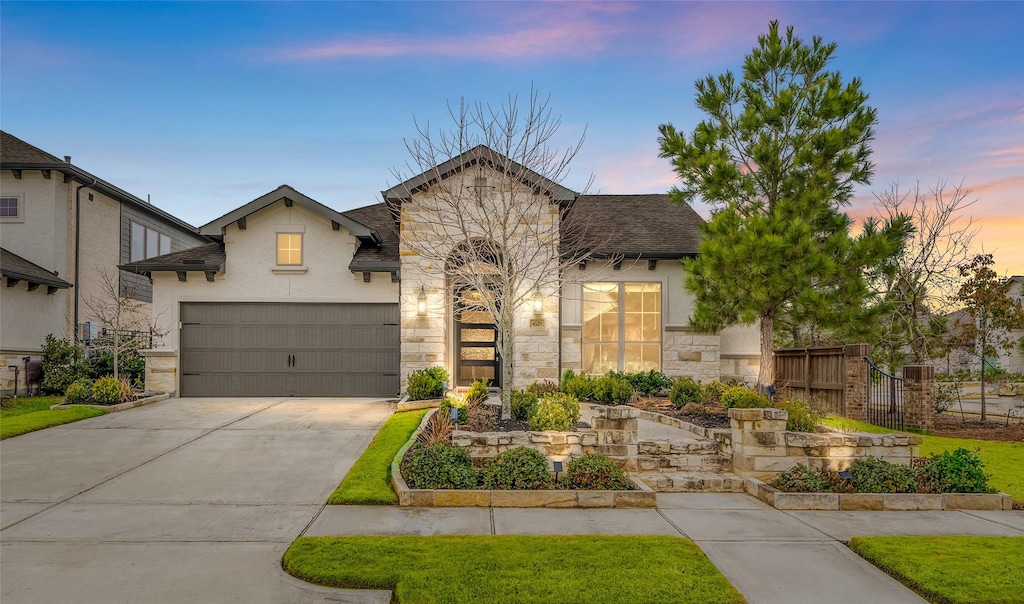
x,y
206,106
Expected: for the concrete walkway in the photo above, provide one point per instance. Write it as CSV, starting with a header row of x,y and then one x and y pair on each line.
x,y
196,500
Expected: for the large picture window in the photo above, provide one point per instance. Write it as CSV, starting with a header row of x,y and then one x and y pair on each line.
x,y
621,327
147,243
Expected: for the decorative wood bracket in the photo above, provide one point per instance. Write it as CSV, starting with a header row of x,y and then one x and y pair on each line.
x,y
182,275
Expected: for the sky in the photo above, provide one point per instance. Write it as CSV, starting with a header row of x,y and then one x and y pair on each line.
x,y
206,106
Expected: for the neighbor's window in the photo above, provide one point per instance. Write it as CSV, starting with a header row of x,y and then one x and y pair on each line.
x,y
289,249
147,243
621,327
10,209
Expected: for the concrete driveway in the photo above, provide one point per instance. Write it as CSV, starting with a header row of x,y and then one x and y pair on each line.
x,y
187,500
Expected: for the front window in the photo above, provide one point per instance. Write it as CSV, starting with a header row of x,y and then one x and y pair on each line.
x,y
289,249
10,209
147,243
621,327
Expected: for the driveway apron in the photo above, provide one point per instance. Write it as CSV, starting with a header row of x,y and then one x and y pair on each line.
x,y
187,500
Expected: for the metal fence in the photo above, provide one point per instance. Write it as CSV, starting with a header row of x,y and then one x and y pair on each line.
x,y
885,398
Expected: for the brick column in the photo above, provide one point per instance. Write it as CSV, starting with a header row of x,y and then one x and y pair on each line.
x,y
918,396
855,393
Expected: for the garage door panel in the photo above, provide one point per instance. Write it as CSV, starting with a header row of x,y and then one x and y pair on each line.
x,y
243,349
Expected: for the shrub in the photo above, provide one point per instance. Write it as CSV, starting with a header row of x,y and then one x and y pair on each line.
x,y
448,403
524,404
478,392
802,479
741,397
481,418
960,471
581,386
440,467
124,385
79,391
62,365
651,383
106,390
694,409
427,383
595,472
684,390
711,393
567,402
802,417
130,362
873,475
539,388
519,468
610,389
438,430
945,396
550,416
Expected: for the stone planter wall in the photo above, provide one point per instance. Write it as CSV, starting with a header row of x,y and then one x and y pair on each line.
x,y
878,501
763,448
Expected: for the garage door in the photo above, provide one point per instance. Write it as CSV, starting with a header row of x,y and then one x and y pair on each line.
x,y
270,349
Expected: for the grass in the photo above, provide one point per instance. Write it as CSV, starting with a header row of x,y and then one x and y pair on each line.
x,y
369,480
951,570
22,415
515,569
1003,459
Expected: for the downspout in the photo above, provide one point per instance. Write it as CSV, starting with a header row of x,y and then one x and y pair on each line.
x,y
78,247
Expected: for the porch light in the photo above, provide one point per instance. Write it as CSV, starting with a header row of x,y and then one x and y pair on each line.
x,y
421,303
538,305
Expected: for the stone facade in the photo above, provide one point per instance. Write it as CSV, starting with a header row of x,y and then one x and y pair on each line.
x,y
161,370
692,354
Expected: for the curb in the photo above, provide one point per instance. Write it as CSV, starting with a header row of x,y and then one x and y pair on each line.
x,y
156,398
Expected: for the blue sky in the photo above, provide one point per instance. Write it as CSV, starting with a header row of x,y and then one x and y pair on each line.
x,y
206,106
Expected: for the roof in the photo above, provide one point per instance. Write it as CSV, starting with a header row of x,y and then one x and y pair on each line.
x,y
378,217
209,257
16,154
476,156
15,267
216,227
638,226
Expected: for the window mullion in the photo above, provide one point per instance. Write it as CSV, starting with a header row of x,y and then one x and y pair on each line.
x,y
622,326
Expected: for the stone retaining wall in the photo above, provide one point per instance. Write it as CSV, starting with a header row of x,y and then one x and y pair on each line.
x,y
763,448
878,501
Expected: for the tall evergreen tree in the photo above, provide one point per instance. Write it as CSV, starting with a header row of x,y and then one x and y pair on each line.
x,y
777,156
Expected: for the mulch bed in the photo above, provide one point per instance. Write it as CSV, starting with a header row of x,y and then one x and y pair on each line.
x,y
951,424
714,417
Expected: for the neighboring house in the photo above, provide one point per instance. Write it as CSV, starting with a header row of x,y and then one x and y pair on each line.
x,y
294,298
54,218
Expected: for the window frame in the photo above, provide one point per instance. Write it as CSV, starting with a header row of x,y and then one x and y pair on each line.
x,y
621,342
300,249
160,240
19,205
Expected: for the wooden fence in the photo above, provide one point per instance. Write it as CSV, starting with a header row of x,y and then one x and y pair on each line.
x,y
814,374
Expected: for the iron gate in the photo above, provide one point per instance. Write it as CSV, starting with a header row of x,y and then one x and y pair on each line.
x,y
885,398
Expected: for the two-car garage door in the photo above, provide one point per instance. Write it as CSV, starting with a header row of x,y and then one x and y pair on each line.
x,y
287,349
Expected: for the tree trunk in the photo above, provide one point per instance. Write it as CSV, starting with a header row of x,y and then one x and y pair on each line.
x,y
983,418
506,378
766,372
117,352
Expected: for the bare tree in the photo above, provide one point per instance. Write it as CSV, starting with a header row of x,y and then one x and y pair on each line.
x,y
490,214
921,283
122,314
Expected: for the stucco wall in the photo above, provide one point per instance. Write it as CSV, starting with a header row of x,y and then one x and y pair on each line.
x,y
249,273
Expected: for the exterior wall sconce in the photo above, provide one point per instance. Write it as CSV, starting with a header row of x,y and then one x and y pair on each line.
x,y
538,305
421,303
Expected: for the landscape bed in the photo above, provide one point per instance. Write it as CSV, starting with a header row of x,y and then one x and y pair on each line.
x,y
877,501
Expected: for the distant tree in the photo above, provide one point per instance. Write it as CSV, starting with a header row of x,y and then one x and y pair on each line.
x,y
919,285
777,156
993,310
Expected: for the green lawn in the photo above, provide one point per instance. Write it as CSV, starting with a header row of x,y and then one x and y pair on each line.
x,y
27,414
369,480
951,570
587,569
1003,459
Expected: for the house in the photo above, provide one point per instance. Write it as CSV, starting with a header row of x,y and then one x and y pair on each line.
x,y
294,298
1010,361
62,231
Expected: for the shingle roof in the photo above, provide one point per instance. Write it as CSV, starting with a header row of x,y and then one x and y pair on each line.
x,y
16,151
649,225
378,217
16,267
202,258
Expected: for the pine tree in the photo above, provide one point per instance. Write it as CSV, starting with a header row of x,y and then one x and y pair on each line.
x,y
777,156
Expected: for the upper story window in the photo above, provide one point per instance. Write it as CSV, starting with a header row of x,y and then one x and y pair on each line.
x,y
289,249
621,327
147,243
11,209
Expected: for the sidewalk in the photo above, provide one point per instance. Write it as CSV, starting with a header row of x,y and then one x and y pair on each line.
x,y
771,556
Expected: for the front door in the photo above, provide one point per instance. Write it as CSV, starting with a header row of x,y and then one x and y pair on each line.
x,y
476,339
